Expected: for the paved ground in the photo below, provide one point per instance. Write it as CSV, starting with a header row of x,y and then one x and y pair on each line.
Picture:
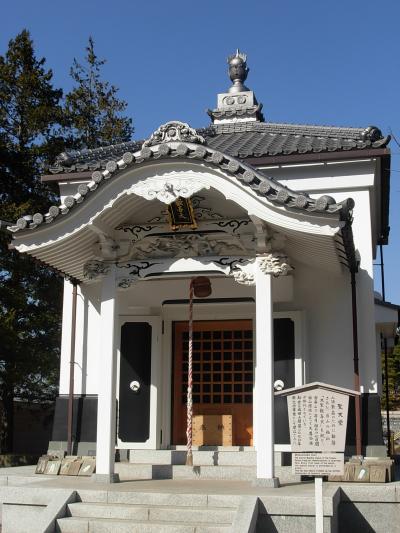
x,y
155,485
304,489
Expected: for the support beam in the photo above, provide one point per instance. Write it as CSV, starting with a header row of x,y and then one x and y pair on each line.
x,y
106,410
72,371
264,380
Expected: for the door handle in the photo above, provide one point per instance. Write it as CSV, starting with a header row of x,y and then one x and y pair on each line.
x,y
134,386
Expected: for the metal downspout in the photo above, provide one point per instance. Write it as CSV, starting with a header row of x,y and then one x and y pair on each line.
x,y
382,273
357,399
385,352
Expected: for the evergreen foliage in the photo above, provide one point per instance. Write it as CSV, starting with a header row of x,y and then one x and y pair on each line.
x,y
92,107
30,294
35,126
394,379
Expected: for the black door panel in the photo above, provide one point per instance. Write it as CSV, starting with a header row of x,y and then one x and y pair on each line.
x,y
135,365
284,351
283,369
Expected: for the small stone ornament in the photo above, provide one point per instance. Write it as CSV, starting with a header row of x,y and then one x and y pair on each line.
x,y
53,467
41,464
88,466
361,474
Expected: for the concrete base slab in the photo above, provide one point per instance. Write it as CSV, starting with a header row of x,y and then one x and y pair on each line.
x,y
105,478
358,507
272,483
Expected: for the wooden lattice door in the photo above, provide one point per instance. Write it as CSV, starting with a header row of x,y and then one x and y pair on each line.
x,y
222,376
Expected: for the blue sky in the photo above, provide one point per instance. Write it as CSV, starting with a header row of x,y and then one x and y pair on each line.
x,y
310,62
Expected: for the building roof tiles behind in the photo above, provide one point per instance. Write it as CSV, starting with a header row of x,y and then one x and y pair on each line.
x,y
242,140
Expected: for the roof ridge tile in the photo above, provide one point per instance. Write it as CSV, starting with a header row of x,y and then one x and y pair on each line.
x,y
244,139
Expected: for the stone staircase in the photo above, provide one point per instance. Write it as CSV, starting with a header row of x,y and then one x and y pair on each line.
x,y
216,462
144,512
150,512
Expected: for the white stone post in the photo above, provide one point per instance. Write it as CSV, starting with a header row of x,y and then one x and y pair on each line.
x,y
264,378
106,407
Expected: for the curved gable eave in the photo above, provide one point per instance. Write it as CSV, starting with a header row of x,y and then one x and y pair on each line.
x,y
185,171
249,176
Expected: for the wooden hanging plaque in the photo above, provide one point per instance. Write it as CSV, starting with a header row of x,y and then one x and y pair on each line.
x,y
181,214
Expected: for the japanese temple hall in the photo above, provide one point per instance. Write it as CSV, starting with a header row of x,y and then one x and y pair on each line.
x,y
271,228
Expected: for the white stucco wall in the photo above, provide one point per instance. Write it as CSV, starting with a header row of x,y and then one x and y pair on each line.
x,y
87,340
324,298
342,180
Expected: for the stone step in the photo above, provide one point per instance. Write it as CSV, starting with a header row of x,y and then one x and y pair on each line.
x,y
177,499
200,457
129,471
143,513
99,525
244,473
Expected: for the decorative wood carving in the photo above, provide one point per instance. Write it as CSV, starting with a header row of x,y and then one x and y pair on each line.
x,y
174,131
194,244
275,263
167,191
94,269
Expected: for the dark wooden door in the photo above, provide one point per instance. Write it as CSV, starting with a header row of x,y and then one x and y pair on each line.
x,y
222,375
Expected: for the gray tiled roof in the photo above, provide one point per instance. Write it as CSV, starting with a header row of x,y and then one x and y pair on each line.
x,y
244,139
264,186
258,139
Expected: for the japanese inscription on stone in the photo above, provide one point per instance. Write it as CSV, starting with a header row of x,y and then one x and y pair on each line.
x,y
317,421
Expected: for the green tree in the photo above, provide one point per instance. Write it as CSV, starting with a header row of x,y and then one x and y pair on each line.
x,y
394,378
93,108
30,294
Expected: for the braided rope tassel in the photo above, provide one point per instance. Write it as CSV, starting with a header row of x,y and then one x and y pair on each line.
x,y
189,454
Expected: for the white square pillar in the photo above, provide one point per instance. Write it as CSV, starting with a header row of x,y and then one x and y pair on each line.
x,y
263,400
107,362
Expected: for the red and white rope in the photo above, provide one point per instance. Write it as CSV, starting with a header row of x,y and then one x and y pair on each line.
x,y
189,455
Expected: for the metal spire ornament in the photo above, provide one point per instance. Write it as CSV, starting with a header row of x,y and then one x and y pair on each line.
x,y
201,288
238,71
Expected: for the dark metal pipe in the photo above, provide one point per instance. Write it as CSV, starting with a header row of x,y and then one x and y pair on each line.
x,y
357,399
72,370
382,273
385,351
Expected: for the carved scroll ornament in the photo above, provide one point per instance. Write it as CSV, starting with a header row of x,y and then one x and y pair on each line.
x,y
167,191
275,263
174,131
94,269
